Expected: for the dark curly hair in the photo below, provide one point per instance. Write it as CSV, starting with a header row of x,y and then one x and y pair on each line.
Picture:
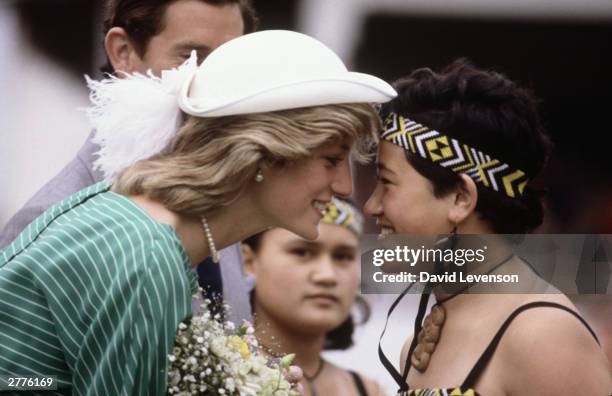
x,y
143,19
486,110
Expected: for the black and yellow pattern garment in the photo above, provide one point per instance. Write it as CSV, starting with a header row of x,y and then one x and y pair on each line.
x,y
467,389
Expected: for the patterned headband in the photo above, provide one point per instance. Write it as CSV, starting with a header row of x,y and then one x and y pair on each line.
x,y
342,213
451,154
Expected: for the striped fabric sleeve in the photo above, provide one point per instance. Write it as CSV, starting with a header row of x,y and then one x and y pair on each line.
x,y
134,360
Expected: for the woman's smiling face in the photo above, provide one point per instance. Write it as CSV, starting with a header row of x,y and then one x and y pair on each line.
x,y
295,196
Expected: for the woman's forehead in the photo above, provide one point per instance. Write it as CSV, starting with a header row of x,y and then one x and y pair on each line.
x,y
342,144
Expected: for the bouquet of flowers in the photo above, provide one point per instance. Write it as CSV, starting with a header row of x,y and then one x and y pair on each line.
x,y
212,357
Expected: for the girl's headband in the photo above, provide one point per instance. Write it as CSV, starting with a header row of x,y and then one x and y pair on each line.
x,y
342,213
449,153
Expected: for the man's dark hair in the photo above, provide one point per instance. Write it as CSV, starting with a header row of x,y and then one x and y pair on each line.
x,y
489,112
143,19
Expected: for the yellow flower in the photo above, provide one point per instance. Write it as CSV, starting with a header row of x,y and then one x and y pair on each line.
x,y
240,346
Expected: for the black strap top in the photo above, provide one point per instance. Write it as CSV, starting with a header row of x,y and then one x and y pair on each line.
x,y
358,383
470,381
486,356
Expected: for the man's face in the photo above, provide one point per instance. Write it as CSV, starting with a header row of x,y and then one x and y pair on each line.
x,y
190,25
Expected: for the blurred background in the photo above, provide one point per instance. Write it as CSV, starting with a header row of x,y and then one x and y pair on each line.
x,y
559,48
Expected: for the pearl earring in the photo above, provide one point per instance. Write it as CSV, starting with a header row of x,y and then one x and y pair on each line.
x,y
259,176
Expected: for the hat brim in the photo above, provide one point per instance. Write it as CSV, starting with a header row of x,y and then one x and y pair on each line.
x,y
349,87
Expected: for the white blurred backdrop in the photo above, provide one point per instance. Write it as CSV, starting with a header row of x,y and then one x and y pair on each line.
x,y
41,127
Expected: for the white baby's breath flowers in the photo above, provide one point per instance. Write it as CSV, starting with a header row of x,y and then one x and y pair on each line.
x,y
216,358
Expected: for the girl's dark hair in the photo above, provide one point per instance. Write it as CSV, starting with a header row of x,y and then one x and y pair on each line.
x,y
143,19
342,336
489,112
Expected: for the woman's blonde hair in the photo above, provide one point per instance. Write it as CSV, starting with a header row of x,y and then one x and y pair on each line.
x,y
211,160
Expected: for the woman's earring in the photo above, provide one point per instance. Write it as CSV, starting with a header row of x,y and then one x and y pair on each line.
x,y
259,176
453,238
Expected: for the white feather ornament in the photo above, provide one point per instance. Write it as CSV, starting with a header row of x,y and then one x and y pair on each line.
x,y
135,117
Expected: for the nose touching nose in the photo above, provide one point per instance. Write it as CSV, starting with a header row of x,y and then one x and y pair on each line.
x,y
342,184
372,206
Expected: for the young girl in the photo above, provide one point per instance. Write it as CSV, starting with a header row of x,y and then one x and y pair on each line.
x,y
304,291
457,154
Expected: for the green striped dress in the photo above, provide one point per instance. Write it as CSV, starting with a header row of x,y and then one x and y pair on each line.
x,y
92,292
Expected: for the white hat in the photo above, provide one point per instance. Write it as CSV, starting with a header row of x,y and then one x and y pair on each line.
x,y
136,116
275,70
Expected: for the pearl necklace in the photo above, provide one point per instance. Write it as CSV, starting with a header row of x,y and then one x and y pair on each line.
x,y
211,243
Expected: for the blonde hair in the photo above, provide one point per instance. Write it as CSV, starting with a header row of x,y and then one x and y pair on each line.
x,y
211,160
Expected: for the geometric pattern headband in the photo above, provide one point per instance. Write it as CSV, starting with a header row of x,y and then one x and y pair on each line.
x,y
451,154
342,213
